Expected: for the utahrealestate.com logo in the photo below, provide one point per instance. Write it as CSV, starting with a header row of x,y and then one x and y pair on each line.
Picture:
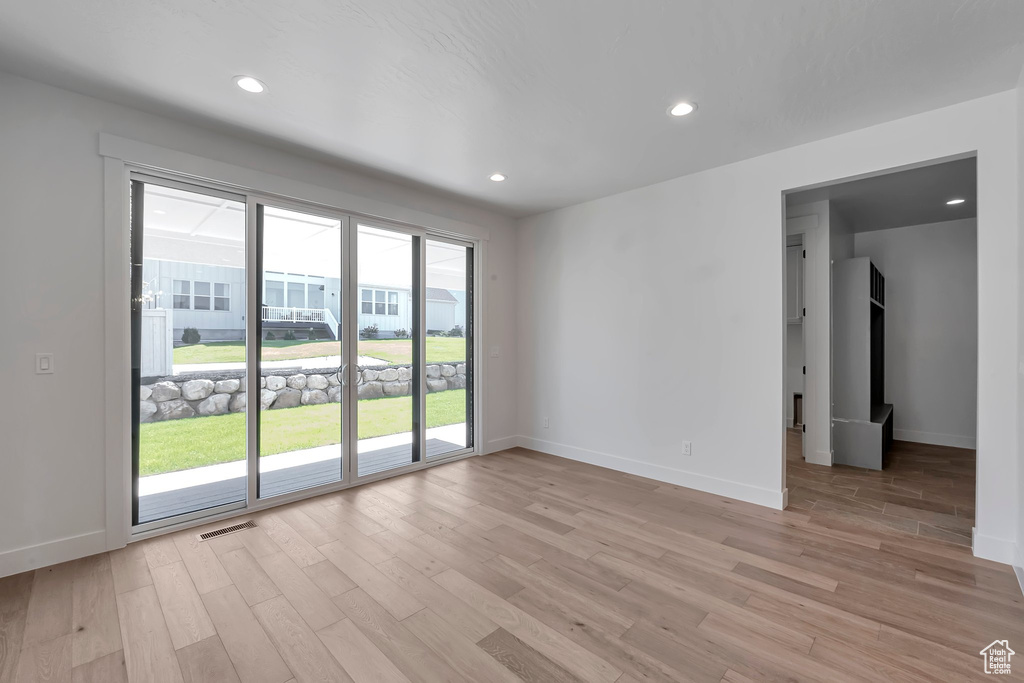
x,y
997,657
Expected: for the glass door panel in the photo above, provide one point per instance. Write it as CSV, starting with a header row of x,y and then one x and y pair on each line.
x,y
388,406
449,402
300,418
188,339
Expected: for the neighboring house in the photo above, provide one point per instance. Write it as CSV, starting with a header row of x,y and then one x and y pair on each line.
x,y
212,299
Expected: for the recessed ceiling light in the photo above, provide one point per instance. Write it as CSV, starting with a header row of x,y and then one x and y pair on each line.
x,y
249,84
498,177
958,200
682,109
160,212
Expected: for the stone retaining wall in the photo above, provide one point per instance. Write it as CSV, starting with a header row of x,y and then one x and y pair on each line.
x,y
218,393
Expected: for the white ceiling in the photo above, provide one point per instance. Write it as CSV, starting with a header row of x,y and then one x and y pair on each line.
x,y
568,98
910,197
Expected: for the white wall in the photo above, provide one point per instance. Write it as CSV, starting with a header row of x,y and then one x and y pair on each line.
x,y
52,459
702,253
931,328
1019,562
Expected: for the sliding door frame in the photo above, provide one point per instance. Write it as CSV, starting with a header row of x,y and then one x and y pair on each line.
x,y
122,173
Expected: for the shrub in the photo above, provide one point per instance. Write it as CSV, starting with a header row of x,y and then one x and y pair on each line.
x,y
455,331
312,334
369,332
271,336
190,335
401,333
289,336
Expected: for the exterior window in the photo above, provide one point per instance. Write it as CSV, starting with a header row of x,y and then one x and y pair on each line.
x,y
379,306
274,293
182,294
296,295
392,303
201,299
367,301
222,297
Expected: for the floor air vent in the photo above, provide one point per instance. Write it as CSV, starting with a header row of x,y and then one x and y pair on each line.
x,y
227,530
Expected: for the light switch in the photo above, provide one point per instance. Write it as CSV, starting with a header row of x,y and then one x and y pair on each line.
x,y
494,351
44,363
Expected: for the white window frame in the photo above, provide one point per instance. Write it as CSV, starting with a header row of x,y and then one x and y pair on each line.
x,y
175,295
208,296
121,158
224,297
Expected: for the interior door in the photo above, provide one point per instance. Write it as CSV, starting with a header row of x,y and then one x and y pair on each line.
x,y
300,413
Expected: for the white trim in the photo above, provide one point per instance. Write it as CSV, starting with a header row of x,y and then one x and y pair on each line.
x,y
502,444
935,439
1020,574
53,552
267,184
995,549
669,475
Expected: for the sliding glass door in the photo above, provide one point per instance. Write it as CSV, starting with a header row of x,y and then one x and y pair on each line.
x,y
449,347
188,310
281,350
301,398
388,386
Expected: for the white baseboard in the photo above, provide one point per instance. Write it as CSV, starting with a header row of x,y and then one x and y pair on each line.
x,y
789,422
501,444
54,552
934,438
995,549
820,458
669,475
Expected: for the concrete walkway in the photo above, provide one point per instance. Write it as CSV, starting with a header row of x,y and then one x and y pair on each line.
x,y
173,481
316,363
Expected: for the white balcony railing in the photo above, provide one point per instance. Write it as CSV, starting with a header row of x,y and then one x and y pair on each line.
x,y
282,314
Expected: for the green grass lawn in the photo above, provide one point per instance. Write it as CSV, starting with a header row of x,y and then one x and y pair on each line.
x,y
195,442
397,351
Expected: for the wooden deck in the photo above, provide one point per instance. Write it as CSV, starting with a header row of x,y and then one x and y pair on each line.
x,y
170,503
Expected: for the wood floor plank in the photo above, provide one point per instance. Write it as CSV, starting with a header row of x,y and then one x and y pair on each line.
x,y
130,568
408,653
529,567
95,631
248,576
522,660
302,552
253,655
50,605
329,578
313,604
15,592
206,662
304,653
392,597
456,649
203,565
148,651
360,658
48,661
539,636
460,616
107,669
184,612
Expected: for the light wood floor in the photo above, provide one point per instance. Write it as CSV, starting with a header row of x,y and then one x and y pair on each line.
x,y
924,491
517,566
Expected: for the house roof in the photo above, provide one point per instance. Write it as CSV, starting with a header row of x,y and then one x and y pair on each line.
x,y
439,294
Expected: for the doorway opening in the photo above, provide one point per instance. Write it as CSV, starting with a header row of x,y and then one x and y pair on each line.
x,y
881,349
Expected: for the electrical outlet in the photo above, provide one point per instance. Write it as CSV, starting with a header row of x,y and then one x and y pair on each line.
x,y
687,448
547,422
